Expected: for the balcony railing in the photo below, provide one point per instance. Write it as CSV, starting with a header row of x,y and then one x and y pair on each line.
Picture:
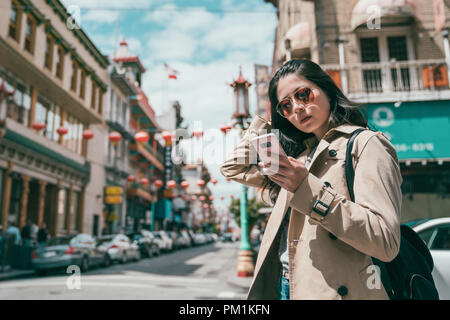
x,y
395,80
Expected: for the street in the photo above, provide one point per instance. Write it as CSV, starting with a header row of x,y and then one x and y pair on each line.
x,y
198,273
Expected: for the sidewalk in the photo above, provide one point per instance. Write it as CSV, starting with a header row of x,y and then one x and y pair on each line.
x,y
242,283
9,273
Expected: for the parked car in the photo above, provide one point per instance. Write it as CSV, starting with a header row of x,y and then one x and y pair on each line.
x,y
227,237
147,246
166,240
198,239
176,242
436,234
61,252
184,239
119,248
157,240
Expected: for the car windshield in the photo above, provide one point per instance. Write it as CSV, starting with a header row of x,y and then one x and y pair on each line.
x,y
101,241
414,223
59,241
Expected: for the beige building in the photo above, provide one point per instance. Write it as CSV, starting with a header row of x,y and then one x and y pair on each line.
x,y
52,86
393,57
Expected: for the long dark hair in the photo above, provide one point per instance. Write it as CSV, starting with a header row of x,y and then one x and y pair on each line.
x,y
342,110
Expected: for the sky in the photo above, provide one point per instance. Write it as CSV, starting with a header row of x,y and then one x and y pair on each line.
x,y
206,41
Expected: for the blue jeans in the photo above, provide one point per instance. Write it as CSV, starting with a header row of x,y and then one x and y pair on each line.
x,y
283,288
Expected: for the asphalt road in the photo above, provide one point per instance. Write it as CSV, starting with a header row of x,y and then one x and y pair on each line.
x,y
193,273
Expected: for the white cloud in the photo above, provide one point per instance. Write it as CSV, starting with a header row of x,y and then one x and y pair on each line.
x,y
100,16
109,4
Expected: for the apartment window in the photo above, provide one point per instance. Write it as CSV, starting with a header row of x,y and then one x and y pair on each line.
x,y
397,50
73,139
60,63
30,34
49,53
370,53
49,114
14,21
93,95
83,84
74,79
18,108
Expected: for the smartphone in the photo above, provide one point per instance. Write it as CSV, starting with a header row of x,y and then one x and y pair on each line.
x,y
269,149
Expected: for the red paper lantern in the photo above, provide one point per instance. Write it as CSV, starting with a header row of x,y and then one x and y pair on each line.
x,y
62,131
167,136
214,181
88,134
202,198
158,183
174,196
141,137
171,184
231,196
185,184
114,137
211,198
38,126
225,128
193,198
201,183
228,179
222,197
130,178
205,206
184,197
144,181
198,133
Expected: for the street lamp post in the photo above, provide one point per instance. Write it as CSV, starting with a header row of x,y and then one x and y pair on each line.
x,y
245,265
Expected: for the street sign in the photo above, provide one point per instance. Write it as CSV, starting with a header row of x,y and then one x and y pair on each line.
x,y
114,191
113,199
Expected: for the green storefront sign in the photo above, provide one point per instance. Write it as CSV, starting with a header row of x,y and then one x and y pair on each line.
x,y
418,130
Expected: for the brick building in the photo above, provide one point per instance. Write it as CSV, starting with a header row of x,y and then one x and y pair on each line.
x,y
52,86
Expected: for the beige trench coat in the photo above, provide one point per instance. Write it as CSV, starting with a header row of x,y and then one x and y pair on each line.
x,y
329,256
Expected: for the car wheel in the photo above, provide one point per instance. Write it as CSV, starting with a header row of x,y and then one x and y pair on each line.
x,y
138,255
149,253
41,272
157,251
84,264
124,258
106,260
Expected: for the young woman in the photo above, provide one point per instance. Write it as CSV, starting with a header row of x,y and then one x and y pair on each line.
x,y
317,243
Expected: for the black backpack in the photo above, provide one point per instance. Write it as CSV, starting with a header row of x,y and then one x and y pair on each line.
x,y
408,276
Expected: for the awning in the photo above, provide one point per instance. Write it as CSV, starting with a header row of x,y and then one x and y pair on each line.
x,y
300,36
418,130
390,11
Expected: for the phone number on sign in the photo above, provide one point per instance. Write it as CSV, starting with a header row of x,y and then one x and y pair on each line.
x,y
414,147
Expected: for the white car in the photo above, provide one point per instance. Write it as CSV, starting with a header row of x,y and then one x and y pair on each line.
x,y
119,248
436,234
166,240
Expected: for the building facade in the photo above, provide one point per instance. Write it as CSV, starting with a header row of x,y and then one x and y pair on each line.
x,y
392,57
52,86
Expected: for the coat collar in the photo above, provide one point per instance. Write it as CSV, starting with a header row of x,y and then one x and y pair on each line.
x,y
324,143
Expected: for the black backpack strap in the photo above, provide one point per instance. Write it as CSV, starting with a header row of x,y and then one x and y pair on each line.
x,y
349,171
350,177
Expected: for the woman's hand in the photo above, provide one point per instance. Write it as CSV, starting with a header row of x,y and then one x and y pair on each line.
x,y
290,174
